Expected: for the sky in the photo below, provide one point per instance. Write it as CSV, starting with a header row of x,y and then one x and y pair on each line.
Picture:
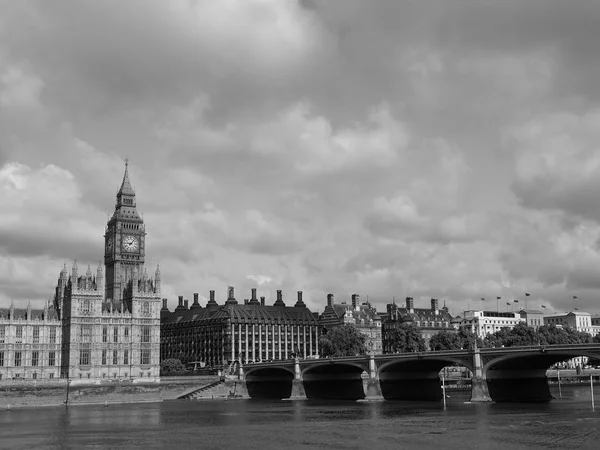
x,y
383,148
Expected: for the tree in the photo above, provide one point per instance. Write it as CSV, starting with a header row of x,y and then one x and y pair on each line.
x,y
467,339
343,340
171,367
444,340
406,338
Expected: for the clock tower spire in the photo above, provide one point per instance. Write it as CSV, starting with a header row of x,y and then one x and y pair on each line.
x,y
124,243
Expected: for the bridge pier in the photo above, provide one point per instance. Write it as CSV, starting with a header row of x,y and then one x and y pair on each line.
x,y
479,387
298,392
371,385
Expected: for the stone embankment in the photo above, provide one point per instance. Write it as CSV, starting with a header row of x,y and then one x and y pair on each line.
x,y
35,393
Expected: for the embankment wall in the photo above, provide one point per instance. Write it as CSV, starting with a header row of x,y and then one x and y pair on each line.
x,y
35,394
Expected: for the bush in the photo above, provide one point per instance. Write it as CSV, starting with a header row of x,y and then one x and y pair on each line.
x,y
172,367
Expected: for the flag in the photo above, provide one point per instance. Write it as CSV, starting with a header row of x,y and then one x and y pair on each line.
x,y
516,301
526,294
482,299
574,297
507,304
543,306
576,309
498,298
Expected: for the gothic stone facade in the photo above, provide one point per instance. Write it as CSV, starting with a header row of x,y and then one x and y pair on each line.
x,y
93,329
219,334
112,330
30,343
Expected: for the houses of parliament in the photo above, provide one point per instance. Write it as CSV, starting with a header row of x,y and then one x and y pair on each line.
x,y
99,325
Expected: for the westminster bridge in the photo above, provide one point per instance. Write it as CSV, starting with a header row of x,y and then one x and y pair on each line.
x,y
507,374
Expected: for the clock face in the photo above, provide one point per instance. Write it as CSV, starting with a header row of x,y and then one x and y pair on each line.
x,y
130,244
109,244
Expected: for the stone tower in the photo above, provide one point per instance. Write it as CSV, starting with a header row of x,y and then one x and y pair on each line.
x,y
124,244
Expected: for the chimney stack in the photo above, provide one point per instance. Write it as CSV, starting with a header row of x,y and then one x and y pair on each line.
x,y
279,301
164,303
410,305
300,303
254,300
195,304
212,304
330,300
180,306
262,301
230,296
185,303
435,306
355,298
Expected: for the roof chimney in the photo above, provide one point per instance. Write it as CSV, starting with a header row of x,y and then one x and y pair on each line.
x,y
230,296
185,303
212,304
330,300
195,304
164,304
279,301
254,300
262,301
180,306
410,305
435,306
355,298
300,303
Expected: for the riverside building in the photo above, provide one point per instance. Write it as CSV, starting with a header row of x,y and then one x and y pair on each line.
x,y
483,323
102,325
429,321
215,335
363,316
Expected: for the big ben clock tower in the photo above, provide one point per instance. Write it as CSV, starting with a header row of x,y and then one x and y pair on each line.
x,y
124,246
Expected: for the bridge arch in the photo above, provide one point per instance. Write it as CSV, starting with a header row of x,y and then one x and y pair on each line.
x,y
331,379
520,375
417,378
269,382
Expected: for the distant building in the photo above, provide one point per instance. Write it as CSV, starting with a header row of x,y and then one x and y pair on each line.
x,y
431,321
483,323
577,320
220,334
363,316
533,318
30,343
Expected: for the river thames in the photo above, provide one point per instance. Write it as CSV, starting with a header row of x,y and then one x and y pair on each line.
x,y
248,424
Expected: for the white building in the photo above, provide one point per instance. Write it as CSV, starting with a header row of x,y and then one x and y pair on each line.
x,y
483,323
578,320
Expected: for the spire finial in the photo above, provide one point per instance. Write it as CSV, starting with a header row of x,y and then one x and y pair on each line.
x,y
126,162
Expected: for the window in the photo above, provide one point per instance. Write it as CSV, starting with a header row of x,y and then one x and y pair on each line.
x,y
17,359
146,309
35,375
115,334
145,357
51,358
125,357
19,334
36,335
85,333
126,334
51,376
35,357
104,334
84,357
53,335
2,333
86,307
115,357
145,333
1,359
103,357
